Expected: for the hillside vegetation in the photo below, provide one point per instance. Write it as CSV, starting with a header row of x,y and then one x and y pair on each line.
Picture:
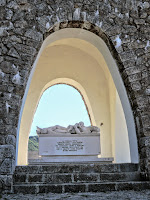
x,y
33,144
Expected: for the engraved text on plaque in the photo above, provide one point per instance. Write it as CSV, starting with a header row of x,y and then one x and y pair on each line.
x,y
69,145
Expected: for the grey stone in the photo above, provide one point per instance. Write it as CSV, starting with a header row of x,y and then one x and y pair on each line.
x,y
143,15
139,21
6,25
75,188
10,88
147,91
12,4
7,67
16,39
2,140
29,189
132,186
44,23
144,141
33,178
9,14
18,178
76,14
22,2
101,187
109,177
2,2
31,33
20,24
4,49
2,11
127,55
132,70
24,49
5,182
6,166
48,188
142,101
1,59
18,15
11,140
132,195
146,5
6,151
12,52
86,177
129,29
57,178
136,86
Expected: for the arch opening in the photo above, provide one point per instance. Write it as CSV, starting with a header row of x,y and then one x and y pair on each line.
x,y
81,59
61,103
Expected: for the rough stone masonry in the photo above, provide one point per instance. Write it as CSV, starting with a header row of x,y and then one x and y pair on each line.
x,y
24,24
130,195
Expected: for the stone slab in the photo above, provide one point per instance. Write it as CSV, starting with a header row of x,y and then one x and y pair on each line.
x,y
57,159
68,145
107,195
80,187
84,167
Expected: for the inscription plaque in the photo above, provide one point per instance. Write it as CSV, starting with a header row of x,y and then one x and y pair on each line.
x,y
69,145
64,145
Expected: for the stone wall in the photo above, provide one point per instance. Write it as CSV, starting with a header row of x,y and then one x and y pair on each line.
x,y
24,24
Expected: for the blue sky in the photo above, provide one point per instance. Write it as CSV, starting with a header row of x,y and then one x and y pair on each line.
x,y
59,105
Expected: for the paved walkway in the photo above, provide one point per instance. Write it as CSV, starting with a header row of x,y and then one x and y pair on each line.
x,y
122,195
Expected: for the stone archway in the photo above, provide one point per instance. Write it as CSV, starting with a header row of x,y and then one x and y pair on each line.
x,y
22,35
81,40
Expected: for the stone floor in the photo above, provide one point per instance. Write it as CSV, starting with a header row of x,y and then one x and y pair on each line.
x,y
122,195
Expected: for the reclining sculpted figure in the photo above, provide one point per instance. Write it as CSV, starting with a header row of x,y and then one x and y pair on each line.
x,y
78,128
54,129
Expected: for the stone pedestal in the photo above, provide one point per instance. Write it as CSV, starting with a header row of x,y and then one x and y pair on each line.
x,y
70,148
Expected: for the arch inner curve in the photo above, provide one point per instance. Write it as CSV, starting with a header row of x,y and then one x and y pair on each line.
x,y
81,59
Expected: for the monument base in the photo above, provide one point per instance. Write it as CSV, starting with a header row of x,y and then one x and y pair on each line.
x,y
67,147
58,159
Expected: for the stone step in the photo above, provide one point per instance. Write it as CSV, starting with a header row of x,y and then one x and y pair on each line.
x,y
79,187
75,177
77,167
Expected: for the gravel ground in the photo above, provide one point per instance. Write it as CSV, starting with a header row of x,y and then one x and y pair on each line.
x,y
123,195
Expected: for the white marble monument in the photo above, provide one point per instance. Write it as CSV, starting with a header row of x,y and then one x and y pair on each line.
x,y
76,143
